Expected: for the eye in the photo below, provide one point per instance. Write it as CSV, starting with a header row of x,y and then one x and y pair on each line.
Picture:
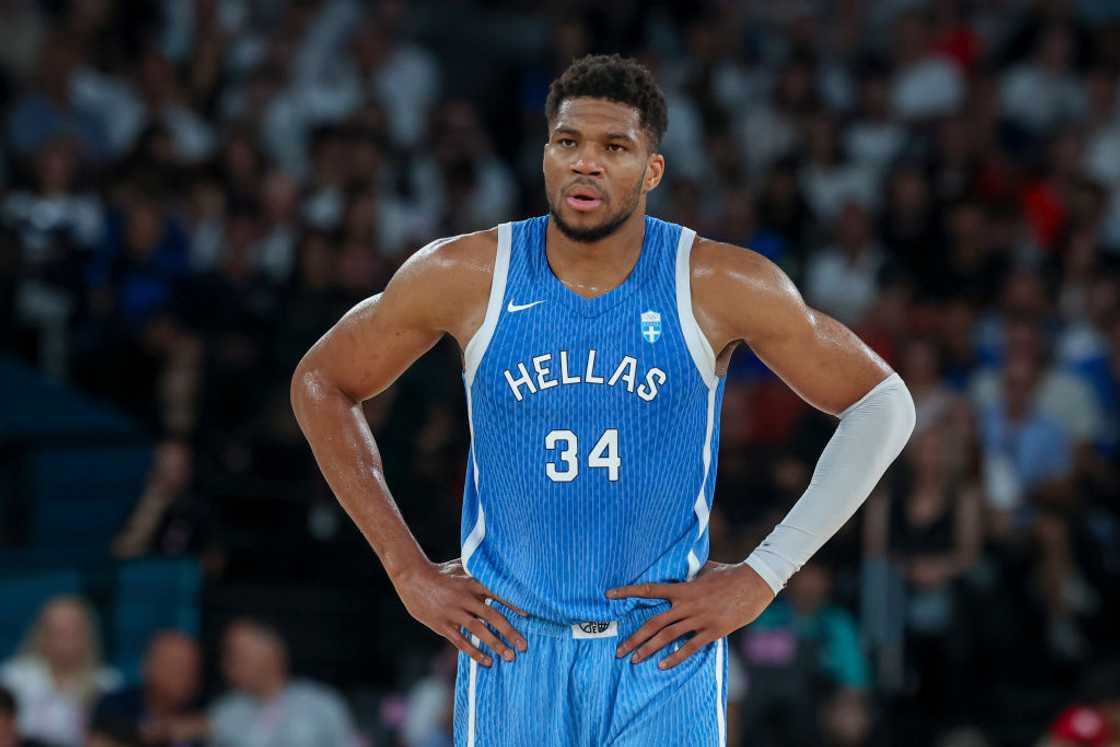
x,y
616,147
566,142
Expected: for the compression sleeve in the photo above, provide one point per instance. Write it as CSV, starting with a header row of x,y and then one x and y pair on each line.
x,y
871,433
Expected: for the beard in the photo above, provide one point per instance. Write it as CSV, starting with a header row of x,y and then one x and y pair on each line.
x,y
610,224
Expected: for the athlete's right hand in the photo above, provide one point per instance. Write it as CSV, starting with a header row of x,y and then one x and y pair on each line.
x,y
446,598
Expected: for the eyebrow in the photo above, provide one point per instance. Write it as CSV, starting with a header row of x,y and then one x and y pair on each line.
x,y
609,136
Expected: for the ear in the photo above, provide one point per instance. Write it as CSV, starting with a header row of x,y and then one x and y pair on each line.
x,y
655,169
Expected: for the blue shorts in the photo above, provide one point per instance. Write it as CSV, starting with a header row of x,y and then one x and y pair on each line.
x,y
570,690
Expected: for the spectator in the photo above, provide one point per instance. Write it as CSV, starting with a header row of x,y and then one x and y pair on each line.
x,y
1023,447
842,279
1059,395
1038,94
1102,142
55,209
266,708
431,704
58,674
769,131
928,525
875,139
169,518
49,111
926,84
312,301
402,77
908,225
831,182
276,252
165,707
142,258
800,651
921,368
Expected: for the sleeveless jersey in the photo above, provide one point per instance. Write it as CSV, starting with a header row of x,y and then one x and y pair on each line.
x,y
594,430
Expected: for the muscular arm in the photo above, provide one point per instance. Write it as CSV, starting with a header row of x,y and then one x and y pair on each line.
x,y
740,296
441,289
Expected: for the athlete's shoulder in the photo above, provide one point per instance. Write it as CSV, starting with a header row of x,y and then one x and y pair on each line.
x,y
466,253
448,280
736,292
718,268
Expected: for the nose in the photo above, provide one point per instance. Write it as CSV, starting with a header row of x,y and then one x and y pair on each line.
x,y
586,164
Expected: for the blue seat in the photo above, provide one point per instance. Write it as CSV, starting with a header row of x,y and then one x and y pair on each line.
x,y
151,595
22,597
82,496
44,407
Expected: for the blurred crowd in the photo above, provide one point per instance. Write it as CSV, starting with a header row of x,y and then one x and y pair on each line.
x,y
193,191
56,691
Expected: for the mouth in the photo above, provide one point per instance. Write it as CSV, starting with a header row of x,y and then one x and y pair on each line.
x,y
584,199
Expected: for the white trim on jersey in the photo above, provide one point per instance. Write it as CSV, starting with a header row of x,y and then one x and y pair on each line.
x,y
478,531
702,354
719,693
476,348
705,359
471,695
700,507
472,357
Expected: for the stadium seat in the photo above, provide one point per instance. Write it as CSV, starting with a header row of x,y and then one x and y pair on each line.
x,y
22,597
82,496
151,595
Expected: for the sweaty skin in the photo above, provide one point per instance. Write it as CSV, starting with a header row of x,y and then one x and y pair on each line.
x,y
738,297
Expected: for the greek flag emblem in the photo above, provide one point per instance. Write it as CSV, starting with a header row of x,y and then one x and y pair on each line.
x,y
651,326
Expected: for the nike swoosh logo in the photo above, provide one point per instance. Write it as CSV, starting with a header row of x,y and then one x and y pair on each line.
x,y
515,307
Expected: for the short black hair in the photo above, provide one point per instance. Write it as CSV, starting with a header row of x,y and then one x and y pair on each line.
x,y
620,79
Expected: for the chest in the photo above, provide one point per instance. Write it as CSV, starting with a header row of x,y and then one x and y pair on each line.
x,y
543,358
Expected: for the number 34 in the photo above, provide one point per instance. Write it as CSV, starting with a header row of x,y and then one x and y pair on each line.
x,y
604,454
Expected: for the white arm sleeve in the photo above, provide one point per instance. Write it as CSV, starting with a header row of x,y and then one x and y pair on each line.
x,y
871,434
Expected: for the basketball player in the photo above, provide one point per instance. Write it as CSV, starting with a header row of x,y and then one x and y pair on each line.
x,y
595,340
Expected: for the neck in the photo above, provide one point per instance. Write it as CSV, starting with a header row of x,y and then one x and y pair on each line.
x,y
272,687
593,268
159,705
62,673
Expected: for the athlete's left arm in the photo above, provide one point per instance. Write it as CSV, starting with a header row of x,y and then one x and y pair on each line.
x,y
740,296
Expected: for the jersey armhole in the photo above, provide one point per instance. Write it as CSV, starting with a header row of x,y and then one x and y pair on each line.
x,y
476,348
698,346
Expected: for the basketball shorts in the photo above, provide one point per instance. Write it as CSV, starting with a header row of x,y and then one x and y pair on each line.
x,y
570,690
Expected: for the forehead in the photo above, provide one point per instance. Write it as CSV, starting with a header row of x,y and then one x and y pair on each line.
x,y
63,613
595,116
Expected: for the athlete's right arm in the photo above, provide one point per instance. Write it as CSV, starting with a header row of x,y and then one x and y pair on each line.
x,y
442,289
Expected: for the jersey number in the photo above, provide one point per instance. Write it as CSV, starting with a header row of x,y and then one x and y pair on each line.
x,y
604,454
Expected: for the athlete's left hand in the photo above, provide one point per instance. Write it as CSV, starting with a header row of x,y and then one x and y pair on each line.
x,y
720,599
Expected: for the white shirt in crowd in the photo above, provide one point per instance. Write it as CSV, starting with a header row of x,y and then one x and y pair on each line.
x,y
44,712
303,715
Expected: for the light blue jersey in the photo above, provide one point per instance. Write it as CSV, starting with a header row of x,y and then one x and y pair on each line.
x,y
594,430
594,433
